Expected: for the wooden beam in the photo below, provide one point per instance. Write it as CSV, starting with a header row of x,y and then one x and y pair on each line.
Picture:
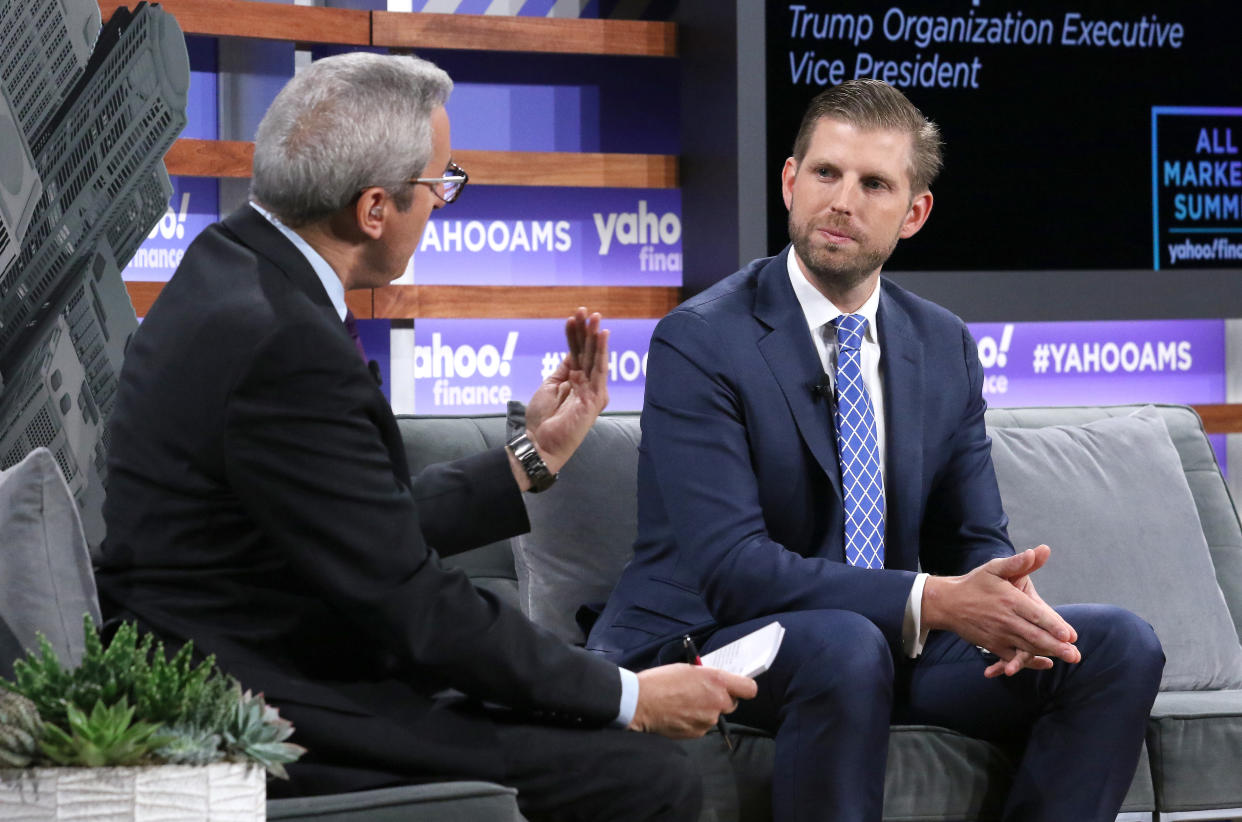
x,y
630,38
210,158
575,169
1221,419
232,158
362,303
351,27
522,302
451,301
142,295
270,21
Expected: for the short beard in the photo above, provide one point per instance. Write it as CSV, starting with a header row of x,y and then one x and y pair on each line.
x,y
834,275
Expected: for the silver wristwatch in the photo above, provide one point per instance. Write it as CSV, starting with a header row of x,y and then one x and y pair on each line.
x,y
541,479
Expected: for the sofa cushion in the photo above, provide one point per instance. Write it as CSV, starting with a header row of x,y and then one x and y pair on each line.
x,y
1111,499
46,582
433,802
1195,739
933,774
582,529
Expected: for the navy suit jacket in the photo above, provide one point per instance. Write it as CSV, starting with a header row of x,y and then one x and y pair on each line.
x,y
739,489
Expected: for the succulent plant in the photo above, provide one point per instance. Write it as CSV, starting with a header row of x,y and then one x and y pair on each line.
x,y
256,732
144,708
190,745
107,736
129,668
20,729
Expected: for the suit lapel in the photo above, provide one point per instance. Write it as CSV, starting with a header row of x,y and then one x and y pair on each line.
x,y
791,355
257,234
902,367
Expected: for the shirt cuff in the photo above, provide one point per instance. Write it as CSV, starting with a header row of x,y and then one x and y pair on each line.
x,y
913,635
629,698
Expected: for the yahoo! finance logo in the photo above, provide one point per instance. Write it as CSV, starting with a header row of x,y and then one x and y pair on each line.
x,y
656,235
461,374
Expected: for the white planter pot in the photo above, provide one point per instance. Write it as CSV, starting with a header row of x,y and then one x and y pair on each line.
x,y
224,792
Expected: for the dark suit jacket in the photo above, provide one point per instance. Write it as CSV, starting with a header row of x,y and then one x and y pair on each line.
x,y
259,503
739,489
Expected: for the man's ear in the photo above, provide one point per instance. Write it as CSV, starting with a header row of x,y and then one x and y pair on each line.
x,y
369,211
917,215
788,173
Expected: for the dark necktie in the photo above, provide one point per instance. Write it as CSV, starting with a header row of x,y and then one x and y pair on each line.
x,y
351,326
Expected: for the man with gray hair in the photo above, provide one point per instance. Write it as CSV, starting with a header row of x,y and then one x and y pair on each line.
x,y
260,504
814,454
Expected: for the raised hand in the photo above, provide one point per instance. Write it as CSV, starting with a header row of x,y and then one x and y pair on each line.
x,y
564,407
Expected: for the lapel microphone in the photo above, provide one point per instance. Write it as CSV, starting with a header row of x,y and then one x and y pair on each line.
x,y
822,390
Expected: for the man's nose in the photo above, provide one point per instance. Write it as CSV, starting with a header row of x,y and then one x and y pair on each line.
x,y
843,196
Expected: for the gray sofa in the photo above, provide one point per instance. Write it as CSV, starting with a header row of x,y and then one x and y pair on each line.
x,y
1139,515
1192,768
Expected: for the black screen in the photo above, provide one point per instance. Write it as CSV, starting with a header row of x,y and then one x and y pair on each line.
x,y
1049,111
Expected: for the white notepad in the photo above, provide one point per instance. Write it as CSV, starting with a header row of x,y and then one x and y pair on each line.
x,y
751,655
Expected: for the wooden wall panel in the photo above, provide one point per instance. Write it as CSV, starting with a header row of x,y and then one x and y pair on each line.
x,y
536,34
190,157
231,158
449,301
404,302
316,24
269,21
1221,419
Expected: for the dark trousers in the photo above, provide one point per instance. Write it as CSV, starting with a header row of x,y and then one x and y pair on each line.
x,y
562,774
835,688
569,774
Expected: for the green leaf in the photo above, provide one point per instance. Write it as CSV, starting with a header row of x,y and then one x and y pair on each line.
x,y
143,706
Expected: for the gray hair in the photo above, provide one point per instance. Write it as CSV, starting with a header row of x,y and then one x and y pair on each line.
x,y
873,104
342,124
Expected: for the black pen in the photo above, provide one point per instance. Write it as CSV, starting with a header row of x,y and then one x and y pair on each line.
x,y
692,656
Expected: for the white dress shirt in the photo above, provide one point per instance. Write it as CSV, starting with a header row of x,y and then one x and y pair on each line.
x,y
327,275
820,312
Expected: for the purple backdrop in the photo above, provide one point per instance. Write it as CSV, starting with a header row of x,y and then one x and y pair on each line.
x,y
509,235
1081,363
476,366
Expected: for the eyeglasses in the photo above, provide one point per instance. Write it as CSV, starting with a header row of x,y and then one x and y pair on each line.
x,y
448,188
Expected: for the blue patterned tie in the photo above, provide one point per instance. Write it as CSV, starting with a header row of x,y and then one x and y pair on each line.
x,y
858,450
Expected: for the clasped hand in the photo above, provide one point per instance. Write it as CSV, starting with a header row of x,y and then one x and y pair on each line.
x,y
996,607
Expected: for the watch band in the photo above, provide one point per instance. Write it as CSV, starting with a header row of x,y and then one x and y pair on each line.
x,y
541,479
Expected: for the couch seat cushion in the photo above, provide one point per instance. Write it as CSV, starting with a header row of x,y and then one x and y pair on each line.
x,y
1195,739
933,774
434,802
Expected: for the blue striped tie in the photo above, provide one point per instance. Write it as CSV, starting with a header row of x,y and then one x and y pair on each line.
x,y
858,449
